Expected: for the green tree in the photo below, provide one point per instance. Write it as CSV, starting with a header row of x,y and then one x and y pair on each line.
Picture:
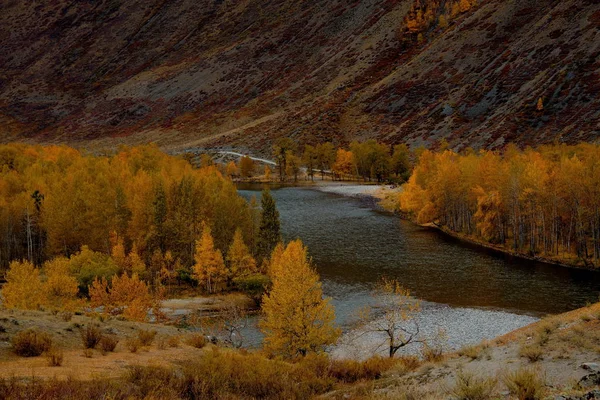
x,y
269,232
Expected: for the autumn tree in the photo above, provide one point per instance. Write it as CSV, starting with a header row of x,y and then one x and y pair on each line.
x,y
297,320
240,261
231,170
344,163
60,287
209,268
269,232
281,150
293,165
125,295
246,167
325,157
400,163
23,288
310,161
267,173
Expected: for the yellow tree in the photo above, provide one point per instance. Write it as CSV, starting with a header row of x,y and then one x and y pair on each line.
x,y
61,287
239,258
344,163
267,173
246,167
297,319
117,253
23,288
209,268
231,169
134,263
127,295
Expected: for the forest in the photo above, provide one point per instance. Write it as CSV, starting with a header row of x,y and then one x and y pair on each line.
x,y
542,202
54,200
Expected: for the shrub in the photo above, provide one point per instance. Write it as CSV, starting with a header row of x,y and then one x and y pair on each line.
x,y
54,357
173,341
108,343
533,352
91,336
197,340
88,353
133,344
469,387
31,343
472,352
409,363
146,337
525,383
350,371
228,374
66,316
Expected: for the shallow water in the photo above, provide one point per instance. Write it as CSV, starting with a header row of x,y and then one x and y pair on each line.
x,y
353,244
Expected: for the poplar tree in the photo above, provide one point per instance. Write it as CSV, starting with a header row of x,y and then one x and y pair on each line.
x,y
209,268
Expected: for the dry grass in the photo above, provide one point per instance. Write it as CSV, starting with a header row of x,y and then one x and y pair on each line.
x,y
196,340
526,383
146,337
470,387
31,343
108,343
55,357
133,344
350,371
91,336
533,352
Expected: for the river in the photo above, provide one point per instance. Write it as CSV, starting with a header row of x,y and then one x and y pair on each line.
x,y
353,244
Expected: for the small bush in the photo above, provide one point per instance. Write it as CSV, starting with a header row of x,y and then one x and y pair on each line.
x,y
525,383
88,353
55,357
432,353
173,341
197,340
66,316
146,337
472,352
350,371
469,387
532,352
161,343
31,343
409,363
108,343
90,336
133,344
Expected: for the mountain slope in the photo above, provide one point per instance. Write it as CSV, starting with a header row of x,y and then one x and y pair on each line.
x,y
242,73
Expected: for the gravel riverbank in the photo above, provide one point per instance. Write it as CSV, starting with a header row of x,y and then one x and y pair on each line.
x,y
460,327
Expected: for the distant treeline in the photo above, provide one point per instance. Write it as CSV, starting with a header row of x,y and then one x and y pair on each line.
x,y
55,199
540,202
369,160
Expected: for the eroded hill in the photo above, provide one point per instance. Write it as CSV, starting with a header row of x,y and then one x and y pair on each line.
x,y
241,73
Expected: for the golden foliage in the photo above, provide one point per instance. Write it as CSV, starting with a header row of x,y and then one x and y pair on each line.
x,y
297,320
209,268
127,295
23,288
241,262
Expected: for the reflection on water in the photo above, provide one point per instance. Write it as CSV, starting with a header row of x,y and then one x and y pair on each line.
x,y
353,244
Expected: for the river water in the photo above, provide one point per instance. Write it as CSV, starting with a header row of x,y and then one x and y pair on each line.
x,y
353,244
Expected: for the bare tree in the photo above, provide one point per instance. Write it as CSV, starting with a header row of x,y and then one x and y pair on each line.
x,y
393,316
233,321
